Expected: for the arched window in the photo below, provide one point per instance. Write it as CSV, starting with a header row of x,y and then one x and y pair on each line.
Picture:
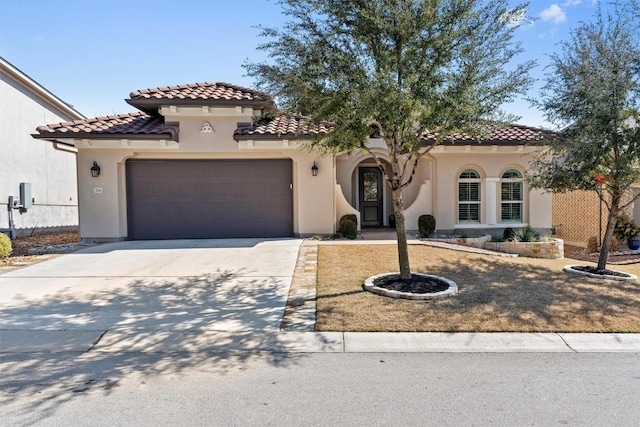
x,y
469,196
511,197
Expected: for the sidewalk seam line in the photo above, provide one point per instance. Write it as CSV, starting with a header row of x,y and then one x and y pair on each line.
x,y
96,342
566,343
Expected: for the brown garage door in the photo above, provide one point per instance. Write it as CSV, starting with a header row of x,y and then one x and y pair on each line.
x,y
209,199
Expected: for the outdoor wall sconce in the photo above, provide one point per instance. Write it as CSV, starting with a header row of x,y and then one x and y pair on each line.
x,y
314,169
95,170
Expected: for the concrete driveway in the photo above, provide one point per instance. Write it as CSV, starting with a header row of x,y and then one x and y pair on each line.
x,y
150,287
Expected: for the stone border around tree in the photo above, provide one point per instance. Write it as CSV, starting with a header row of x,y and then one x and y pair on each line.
x,y
571,270
369,286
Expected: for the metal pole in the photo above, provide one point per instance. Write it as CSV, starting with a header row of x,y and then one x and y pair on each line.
x,y
600,218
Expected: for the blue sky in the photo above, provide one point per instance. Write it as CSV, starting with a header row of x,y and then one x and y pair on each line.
x,y
93,53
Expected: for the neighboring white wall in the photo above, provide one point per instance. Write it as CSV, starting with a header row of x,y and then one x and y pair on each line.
x,y
52,173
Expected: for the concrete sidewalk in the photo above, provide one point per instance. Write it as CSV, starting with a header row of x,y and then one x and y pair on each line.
x,y
123,341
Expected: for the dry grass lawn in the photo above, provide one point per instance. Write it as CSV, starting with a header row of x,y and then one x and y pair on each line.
x,y
495,294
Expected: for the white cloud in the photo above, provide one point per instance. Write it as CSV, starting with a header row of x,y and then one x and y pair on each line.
x,y
573,2
553,14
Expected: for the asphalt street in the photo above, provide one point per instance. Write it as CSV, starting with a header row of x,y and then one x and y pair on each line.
x,y
319,389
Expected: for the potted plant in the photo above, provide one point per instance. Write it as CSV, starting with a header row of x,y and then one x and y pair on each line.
x,y
627,231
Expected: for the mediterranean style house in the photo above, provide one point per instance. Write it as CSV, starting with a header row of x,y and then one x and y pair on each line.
x,y
38,189
205,160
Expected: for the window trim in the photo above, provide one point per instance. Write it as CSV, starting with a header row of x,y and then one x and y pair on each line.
x,y
519,179
477,179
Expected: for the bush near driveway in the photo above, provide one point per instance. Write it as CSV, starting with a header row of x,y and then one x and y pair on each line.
x,y
495,294
5,246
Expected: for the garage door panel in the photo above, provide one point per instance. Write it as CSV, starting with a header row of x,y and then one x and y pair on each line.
x,y
176,199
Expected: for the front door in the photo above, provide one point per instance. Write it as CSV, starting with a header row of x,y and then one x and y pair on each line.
x,y
371,185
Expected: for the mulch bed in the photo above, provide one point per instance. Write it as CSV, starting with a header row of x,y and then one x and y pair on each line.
x,y
417,285
23,245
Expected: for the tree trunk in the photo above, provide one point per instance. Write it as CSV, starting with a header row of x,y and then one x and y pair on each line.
x,y
401,233
611,225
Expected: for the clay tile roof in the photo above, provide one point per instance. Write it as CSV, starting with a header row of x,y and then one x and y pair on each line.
x,y
511,134
206,93
288,126
283,125
136,124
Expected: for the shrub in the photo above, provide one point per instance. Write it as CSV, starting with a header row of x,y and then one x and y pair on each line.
x,y
347,227
352,217
426,225
5,246
616,245
508,234
592,245
527,234
625,228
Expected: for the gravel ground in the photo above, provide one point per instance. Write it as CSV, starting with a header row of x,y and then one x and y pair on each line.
x,y
622,257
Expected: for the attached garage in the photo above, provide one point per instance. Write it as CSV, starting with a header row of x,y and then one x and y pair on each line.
x,y
209,199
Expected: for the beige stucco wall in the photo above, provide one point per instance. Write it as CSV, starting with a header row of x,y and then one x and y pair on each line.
x,y
52,173
103,213
347,167
434,187
490,162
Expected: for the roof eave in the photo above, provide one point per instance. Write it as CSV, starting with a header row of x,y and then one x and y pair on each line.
x,y
52,136
275,137
152,106
483,142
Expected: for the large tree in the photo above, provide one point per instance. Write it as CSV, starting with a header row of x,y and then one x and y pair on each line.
x,y
396,68
593,88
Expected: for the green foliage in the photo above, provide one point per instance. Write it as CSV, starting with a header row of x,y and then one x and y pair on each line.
x,y
352,217
508,234
347,228
426,225
593,86
5,246
526,234
626,229
399,68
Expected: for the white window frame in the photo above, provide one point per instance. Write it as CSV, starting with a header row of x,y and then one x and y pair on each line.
x,y
477,179
508,178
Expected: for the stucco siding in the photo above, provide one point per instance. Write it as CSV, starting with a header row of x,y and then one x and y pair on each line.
x,y
103,200
536,206
51,173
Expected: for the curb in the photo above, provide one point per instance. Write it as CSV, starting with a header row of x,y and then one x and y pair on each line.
x,y
115,342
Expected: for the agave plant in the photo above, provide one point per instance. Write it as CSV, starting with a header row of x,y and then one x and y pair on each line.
x,y
526,234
